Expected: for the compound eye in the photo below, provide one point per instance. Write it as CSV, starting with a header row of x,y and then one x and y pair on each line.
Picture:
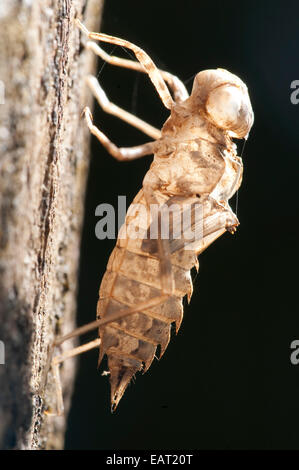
x,y
229,108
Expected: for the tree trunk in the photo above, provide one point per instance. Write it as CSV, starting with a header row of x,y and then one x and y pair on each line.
x,y
43,168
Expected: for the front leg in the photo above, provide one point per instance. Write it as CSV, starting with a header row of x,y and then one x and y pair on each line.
x,y
204,190
120,153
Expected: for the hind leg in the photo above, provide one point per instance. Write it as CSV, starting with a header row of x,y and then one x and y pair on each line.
x,y
111,108
175,84
144,59
54,363
55,368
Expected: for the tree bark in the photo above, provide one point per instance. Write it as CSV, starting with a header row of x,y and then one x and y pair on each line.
x,y
43,169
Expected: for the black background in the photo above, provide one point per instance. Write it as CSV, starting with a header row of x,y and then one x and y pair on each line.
x,y
225,381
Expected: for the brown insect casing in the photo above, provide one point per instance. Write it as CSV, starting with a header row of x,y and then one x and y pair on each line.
x,y
195,162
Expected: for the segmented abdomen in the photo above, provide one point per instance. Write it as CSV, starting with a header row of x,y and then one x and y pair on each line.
x,y
132,278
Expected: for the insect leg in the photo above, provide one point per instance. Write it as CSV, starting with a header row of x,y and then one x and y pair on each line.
x,y
207,221
92,344
120,153
149,66
110,318
111,108
175,84
55,368
236,184
59,396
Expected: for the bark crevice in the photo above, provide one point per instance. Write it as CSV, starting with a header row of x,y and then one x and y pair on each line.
x,y
43,171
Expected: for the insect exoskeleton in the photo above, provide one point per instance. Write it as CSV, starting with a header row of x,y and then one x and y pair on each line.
x,y
194,173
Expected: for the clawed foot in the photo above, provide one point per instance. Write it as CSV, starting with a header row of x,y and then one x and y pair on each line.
x,y
232,228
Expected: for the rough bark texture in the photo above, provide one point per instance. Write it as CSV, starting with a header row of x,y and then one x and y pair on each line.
x,y
44,162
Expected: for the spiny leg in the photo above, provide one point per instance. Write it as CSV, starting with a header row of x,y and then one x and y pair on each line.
x,y
113,317
92,344
120,153
175,84
149,66
111,108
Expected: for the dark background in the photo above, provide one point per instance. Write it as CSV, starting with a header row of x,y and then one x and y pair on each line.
x,y
225,381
